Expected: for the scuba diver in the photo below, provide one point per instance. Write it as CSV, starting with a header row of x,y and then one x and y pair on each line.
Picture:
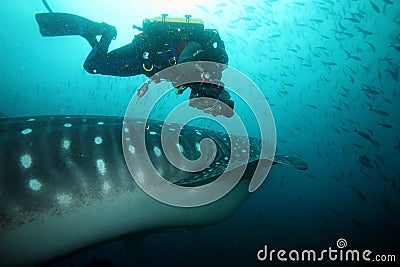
x,y
163,42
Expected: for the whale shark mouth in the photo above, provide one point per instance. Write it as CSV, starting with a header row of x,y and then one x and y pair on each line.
x,y
64,185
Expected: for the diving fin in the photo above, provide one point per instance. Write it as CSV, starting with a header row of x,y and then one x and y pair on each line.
x,y
62,24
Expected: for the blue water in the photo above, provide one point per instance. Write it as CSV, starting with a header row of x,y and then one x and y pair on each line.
x,y
326,67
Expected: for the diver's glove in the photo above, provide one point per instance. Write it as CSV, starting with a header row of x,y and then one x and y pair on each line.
x,y
212,95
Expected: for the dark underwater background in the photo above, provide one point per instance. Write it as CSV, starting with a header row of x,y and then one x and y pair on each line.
x,y
330,71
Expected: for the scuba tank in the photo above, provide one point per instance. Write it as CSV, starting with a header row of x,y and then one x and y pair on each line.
x,y
176,28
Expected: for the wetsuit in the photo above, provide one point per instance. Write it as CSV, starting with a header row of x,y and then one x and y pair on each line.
x,y
130,60
148,55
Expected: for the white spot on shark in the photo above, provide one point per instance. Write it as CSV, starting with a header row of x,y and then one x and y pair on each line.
x,y
98,140
157,151
198,132
100,123
152,133
226,158
198,146
67,125
65,144
126,130
26,161
131,149
172,129
106,187
140,176
101,166
34,184
26,131
30,120
64,199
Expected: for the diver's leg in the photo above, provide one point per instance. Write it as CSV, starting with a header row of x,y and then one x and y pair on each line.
x,y
124,61
94,29
97,60
98,54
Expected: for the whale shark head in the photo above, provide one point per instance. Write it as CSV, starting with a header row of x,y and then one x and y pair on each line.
x,y
65,185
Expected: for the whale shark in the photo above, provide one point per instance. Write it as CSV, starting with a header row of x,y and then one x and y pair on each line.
x,y
65,186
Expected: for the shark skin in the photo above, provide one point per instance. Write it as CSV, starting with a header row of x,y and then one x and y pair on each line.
x,y
65,186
